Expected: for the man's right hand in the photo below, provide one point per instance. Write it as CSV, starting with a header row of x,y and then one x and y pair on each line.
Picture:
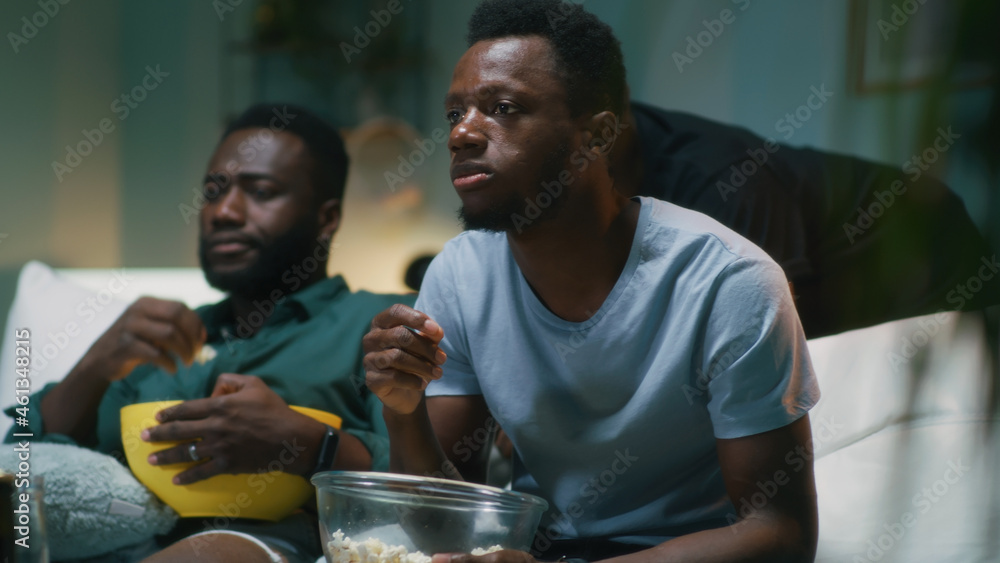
x,y
152,331
399,362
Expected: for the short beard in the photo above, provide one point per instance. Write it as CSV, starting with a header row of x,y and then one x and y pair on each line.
x,y
500,216
261,278
497,218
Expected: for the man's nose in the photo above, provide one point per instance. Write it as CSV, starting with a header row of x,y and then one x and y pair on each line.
x,y
230,208
467,133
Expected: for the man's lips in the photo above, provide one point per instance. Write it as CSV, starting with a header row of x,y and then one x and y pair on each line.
x,y
468,175
465,182
229,245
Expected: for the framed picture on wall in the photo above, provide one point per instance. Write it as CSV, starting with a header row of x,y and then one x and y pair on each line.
x,y
901,44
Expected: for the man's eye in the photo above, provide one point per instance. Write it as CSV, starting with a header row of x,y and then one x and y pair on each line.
x,y
504,109
211,192
453,116
262,193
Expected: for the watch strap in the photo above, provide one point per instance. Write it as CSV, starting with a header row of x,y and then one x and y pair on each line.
x,y
327,450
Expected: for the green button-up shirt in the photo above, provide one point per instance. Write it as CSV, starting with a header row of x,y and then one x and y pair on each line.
x,y
308,351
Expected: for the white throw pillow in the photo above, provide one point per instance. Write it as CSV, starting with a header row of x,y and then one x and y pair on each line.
x,y
63,318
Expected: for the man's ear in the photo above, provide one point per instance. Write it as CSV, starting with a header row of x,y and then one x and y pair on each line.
x,y
603,130
329,218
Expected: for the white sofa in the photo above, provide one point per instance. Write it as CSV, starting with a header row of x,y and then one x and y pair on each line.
x,y
908,449
907,437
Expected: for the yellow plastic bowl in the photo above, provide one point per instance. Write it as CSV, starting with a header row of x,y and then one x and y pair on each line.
x,y
270,495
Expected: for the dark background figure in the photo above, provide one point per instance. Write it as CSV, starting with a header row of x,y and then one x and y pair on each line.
x,y
416,270
862,243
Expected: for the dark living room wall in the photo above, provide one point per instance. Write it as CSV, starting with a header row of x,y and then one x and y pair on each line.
x,y
119,205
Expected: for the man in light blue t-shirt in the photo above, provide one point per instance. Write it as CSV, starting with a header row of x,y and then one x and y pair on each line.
x,y
647,362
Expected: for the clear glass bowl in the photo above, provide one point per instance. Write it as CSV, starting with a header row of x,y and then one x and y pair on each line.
x,y
423,514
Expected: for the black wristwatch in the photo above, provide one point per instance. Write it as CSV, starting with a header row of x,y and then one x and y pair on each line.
x,y
327,450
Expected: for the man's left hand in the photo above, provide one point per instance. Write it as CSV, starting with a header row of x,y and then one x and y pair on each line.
x,y
505,556
244,427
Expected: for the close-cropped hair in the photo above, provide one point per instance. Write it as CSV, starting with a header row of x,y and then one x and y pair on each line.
x,y
588,54
325,146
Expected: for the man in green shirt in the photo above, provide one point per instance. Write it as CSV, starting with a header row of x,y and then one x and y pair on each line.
x,y
286,335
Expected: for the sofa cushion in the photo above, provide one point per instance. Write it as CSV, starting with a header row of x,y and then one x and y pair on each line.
x,y
91,502
878,376
907,441
63,318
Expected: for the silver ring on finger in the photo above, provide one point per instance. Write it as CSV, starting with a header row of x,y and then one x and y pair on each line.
x,y
192,452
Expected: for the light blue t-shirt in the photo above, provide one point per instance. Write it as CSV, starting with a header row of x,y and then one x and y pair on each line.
x,y
614,419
